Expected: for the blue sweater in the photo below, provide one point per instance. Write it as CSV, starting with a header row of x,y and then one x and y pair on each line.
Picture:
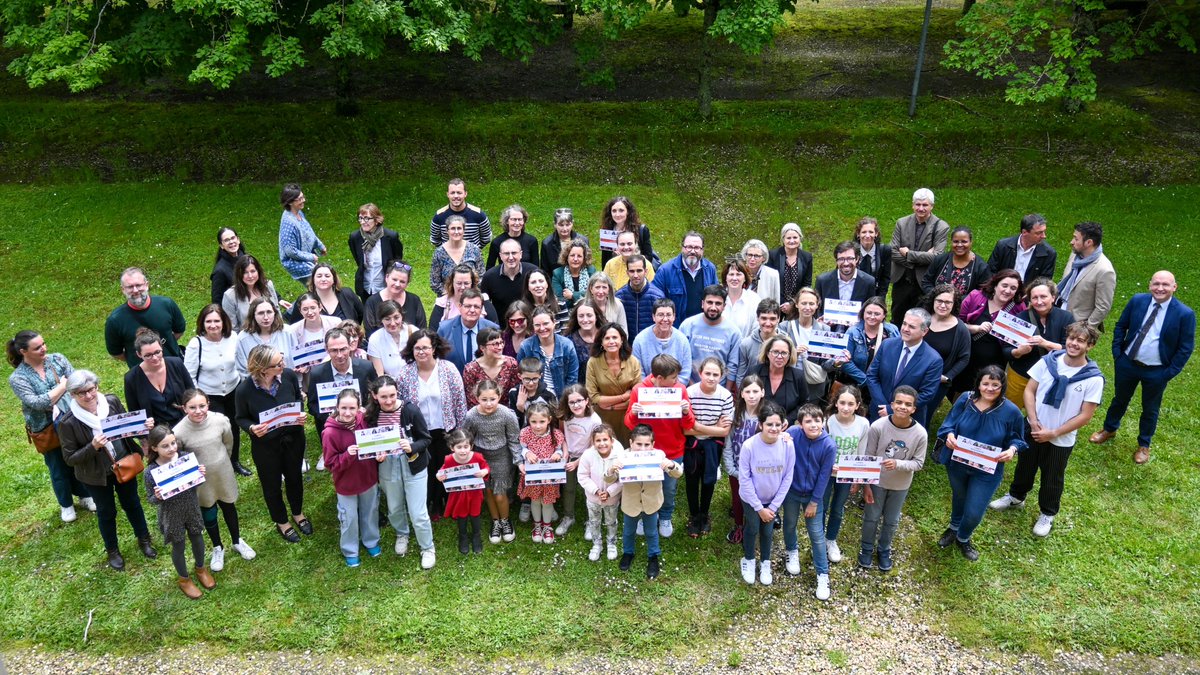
x,y
299,245
646,346
814,464
1001,425
639,307
672,280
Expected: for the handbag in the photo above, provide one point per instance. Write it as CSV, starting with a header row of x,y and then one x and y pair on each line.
x,y
45,440
128,467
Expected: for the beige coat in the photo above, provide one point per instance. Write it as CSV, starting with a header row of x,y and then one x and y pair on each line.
x,y
1091,299
645,497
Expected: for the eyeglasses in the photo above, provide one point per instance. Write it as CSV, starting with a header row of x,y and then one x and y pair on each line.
x,y
152,355
848,259
943,302
363,219
229,240
694,247
516,321
778,353
90,391
751,255
422,348
134,287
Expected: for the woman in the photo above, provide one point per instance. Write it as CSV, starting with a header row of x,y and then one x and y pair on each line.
x,y
299,246
785,382
456,251
560,361
385,347
312,324
949,337
741,303
40,382
433,384
446,306
612,372
334,300
573,272
538,294
354,333
404,479
278,453
794,265
875,258
582,330
263,326
982,415
514,219
91,454
1049,334
959,266
490,364
229,247
619,216
601,293
863,341
556,242
156,385
371,245
1001,293
249,282
799,329
518,326
211,362
397,277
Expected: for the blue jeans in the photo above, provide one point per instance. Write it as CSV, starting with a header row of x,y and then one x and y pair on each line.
x,y
1128,377
755,528
405,493
62,479
358,516
834,507
629,535
887,504
793,505
971,490
668,507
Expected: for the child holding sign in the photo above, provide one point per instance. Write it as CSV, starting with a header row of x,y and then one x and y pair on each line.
x,y
641,500
355,480
765,471
847,426
539,442
498,439
603,498
178,515
464,505
901,442
669,430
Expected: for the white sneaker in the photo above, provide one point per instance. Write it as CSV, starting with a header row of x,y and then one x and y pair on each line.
x,y
612,551
832,551
429,559
1006,502
1042,527
87,503
665,529
401,545
217,562
243,549
587,532
321,463
68,514
764,573
304,466
525,514
793,562
822,586
748,571
641,531
564,525
594,554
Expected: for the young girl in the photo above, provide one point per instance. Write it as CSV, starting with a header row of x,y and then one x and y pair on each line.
x,y
355,480
498,439
713,406
465,505
848,427
540,442
603,498
179,515
765,466
745,425
210,435
578,420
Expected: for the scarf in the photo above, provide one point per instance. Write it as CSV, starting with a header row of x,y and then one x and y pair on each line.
x,y
371,238
1068,283
92,420
1057,391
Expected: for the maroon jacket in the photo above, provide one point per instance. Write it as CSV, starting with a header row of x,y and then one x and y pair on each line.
x,y
351,475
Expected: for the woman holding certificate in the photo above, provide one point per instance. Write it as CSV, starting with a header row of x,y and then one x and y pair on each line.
x,y
1001,293
268,405
156,385
1049,334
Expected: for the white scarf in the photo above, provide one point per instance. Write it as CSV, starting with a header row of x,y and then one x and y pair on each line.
x,y
92,420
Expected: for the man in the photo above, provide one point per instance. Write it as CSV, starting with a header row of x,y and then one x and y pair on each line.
x,y
873,258
1027,253
846,282
1152,342
1089,281
479,229
751,345
639,295
662,338
617,267
710,335
906,361
462,332
504,284
915,241
156,312
514,219
682,279
340,369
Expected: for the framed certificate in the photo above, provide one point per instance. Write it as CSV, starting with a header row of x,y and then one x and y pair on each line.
x,y
176,476
859,469
124,425
661,402
975,454
378,441
1013,330
462,478
546,473
641,466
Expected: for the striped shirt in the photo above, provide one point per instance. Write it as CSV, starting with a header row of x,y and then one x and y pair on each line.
x,y
709,408
478,230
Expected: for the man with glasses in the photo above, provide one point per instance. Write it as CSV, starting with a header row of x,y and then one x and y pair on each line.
x,y
341,369
764,279
504,284
156,312
479,228
846,282
683,279
617,267
462,332
662,338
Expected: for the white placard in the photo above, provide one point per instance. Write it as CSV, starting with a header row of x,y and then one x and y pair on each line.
x,y
327,393
841,312
661,402
462,478
1013,330
975,454
377,441
546,473
177,475
641,466
286,415
826,345
124,425
859,469
608,240
308,353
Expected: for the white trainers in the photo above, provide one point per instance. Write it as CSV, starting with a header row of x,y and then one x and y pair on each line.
x,y
304,466
832,551
564,525
243,549
321,463
764,573
1006,502
641,531
612,551
748,571
429,559
217,562
587,532
401,545
68,514
525,514
1042,527
822,587
793,562
87,503
594,554
665,529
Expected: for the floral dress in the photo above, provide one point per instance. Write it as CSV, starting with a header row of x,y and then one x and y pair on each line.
x,y
508,377
543,447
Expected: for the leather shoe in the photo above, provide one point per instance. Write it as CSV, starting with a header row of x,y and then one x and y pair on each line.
x,y
1102,436
1141,456
289,535
189,589
241,470
948,537
205,578
305,526
115,560
147,547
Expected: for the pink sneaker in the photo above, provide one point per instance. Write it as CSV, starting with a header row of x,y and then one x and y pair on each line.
x,y
547,533
537,533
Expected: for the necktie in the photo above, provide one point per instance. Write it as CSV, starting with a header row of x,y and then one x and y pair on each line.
x,y
469,345
903,364
868,265
1137,341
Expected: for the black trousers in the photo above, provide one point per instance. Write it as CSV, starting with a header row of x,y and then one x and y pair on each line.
x,y
437,457
1052,460
905,295
278,463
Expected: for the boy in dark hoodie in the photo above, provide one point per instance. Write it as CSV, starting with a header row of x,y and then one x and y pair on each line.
x,y
815,454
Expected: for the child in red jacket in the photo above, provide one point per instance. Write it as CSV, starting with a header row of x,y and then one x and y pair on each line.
x,y
668,426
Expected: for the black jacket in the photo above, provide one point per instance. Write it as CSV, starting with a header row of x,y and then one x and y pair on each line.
x,y
322,373
249,401
792,392
880,267
92,466
804,259
552,249
390,247
418,434
222,273
977,270
1004,257
827,286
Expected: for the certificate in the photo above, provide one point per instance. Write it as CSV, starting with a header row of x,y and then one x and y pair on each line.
x,y
826,345
378,441
462,478
859,469
124,425
546,473
841,312
975,454
1011,329
288,414
308,353
176,476
641,466
327,393
661,402
608,240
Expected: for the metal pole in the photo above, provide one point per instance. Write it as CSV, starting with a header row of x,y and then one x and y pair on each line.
x,y
912,105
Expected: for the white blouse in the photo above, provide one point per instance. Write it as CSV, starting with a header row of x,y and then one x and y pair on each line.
x,y
213,365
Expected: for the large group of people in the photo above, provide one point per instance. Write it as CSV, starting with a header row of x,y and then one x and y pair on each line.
x,y
603,367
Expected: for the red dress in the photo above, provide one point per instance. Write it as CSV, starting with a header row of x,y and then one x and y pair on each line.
x,y
467,503
543,447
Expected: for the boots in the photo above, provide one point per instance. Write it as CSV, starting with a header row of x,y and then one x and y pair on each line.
x,y
205,578
476,537
463,544
115,560
147,547
189,589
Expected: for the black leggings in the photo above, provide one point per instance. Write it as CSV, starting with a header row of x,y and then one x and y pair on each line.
x,y
213,527
179,557
436,498
224,405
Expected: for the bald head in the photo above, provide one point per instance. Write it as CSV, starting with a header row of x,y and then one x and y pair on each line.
x,y
1162,286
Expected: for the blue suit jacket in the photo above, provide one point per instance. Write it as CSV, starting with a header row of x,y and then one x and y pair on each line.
x,y
923,373
1175,342
451,331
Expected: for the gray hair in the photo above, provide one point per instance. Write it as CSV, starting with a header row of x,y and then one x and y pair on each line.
x,y
507,213
792,227
132,270
81,379
755,243
456,219
923,195
921,315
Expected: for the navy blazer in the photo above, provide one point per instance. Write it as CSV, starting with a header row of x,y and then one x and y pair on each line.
x,y
1175,342
1004,257
451,331
881,258
923,373
389,245
361,369
827,286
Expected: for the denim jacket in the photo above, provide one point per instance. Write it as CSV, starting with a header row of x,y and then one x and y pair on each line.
x,y
857,344
564,365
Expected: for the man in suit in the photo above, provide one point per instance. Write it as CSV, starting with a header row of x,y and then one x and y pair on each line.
x,y
384,246
462,332
763,280
873,258
906,361
342,369
915,242
1027,253
847,282
1089,280
682,279
1152,342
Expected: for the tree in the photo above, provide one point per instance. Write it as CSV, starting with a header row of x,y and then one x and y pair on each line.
x,y
1046,48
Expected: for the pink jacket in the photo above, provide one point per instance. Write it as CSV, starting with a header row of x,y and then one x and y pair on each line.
x,y
351,475
591,470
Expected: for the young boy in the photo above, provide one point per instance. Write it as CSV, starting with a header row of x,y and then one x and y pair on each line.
x,y
815,452
664,374
1063,393
531,389
901,442
712,405
640,502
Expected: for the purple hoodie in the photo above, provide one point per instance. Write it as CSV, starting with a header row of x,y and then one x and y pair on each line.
x,y
351,475
764,471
